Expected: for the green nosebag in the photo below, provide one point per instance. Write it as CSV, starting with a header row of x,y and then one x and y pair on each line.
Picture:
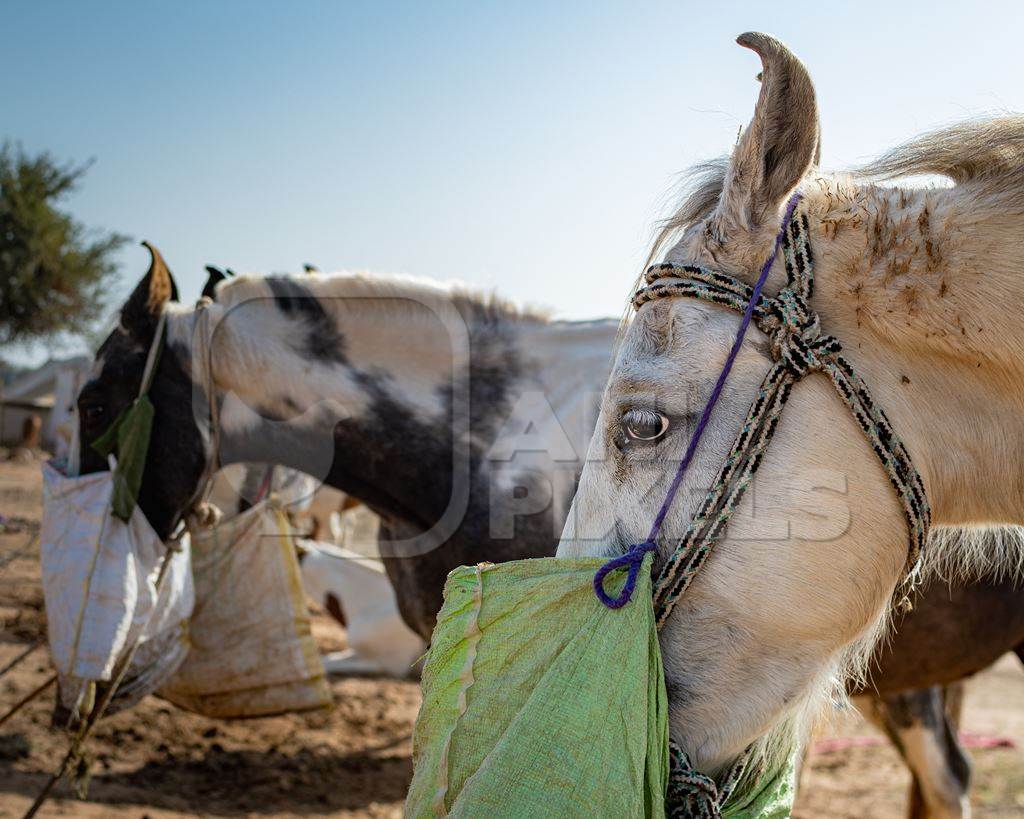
x,y
540,701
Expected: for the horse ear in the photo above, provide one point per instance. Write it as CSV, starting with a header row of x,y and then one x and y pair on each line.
x,y
140,313
216,276
780,145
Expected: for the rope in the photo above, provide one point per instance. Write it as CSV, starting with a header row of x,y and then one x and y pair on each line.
x,y
14,709
691,794
202,351
631,561
8,559
633,558
153,356
190,520
799,348
74,752
748,311
22,656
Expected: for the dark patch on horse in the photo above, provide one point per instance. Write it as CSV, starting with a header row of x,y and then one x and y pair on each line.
x,y
333,607
323,341
370,456
372,462
925,710
176,456
680,690
412,494
402,465
214,277
959,762
911,708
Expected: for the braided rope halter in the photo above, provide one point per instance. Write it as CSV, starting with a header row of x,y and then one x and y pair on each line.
x,y
798,348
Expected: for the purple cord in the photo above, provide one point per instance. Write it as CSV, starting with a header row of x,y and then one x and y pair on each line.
x,y
634,557
631,560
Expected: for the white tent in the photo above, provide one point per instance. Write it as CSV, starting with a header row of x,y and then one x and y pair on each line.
x,y
48,391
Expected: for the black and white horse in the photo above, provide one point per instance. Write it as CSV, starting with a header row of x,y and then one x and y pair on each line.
x,y
461,421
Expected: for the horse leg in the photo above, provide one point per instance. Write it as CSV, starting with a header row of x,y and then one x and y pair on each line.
x,y
924,732
872,707
954,695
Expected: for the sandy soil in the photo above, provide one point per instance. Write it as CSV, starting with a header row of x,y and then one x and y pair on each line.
x,y
158,761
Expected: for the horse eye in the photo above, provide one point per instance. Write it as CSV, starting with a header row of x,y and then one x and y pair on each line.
x,y
644,425
92,412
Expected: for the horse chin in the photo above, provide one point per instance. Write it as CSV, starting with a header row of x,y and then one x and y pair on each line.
x,y
84,461
727,692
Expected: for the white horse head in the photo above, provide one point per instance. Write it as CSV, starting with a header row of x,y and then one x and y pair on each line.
x,y
920,286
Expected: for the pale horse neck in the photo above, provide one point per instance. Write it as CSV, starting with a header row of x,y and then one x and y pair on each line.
x,y
925,289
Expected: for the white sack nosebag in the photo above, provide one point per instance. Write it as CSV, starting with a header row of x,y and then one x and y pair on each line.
x,y
253,652
117,598
100,585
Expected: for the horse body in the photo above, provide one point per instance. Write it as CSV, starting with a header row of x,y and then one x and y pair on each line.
x,y
913,688
921,289
519,492
984,620
466,441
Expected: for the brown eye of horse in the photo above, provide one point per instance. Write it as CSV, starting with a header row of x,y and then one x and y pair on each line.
x,y
644,425
92,412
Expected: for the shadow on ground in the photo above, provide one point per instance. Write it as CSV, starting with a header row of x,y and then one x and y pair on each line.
x,y
308,781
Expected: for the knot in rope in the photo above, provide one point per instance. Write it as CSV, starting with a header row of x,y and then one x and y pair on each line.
x,y
203,515
795,332
631,561
693,795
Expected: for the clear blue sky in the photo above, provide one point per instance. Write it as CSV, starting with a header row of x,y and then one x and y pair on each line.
x,y
523,147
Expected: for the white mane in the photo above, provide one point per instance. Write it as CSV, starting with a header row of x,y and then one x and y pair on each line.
x,y
397,289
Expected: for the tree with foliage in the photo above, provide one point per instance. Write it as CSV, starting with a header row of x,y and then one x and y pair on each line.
x,y
53,271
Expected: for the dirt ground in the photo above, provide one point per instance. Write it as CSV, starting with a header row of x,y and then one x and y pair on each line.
x,y
158,761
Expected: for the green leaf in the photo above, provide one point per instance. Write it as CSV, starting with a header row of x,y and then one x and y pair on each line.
x,y
129,435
